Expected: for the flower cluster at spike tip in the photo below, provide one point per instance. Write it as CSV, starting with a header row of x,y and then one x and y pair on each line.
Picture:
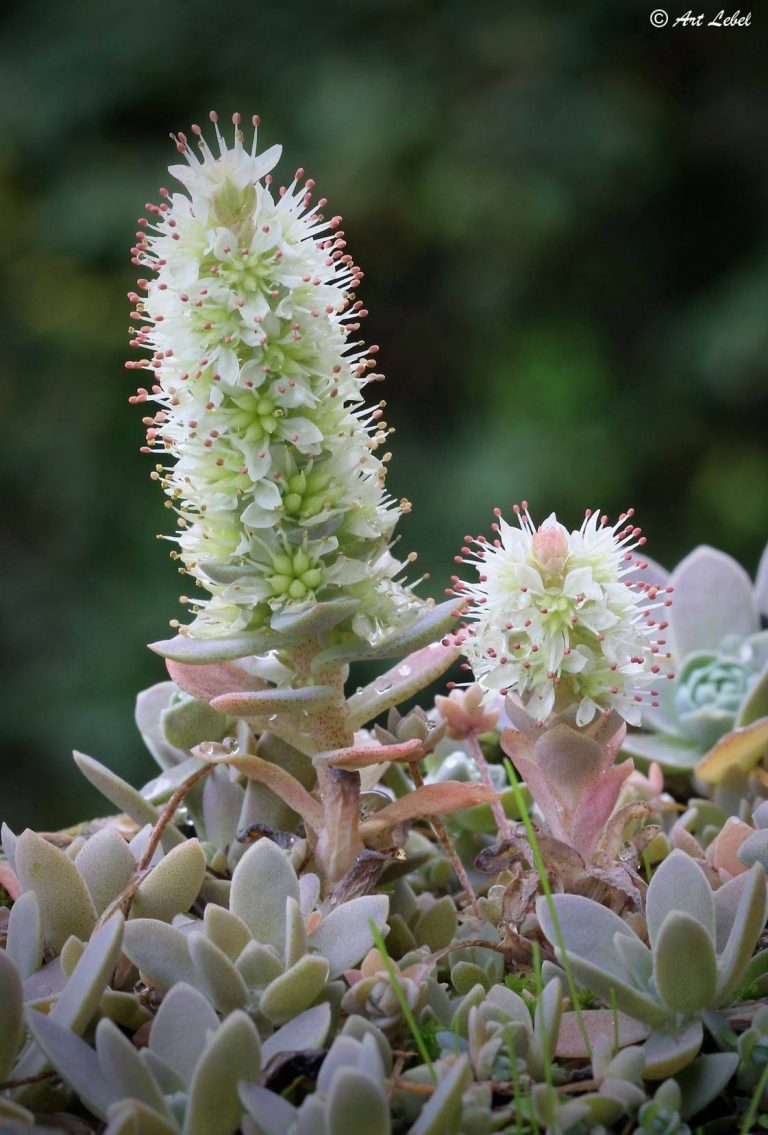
x,y
249,319
560,618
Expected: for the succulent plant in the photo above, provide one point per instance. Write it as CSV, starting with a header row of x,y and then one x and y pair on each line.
x,y
720,655
715,932
571,775
185,1081
75,888
498,1030
268,940
752,1052
273,953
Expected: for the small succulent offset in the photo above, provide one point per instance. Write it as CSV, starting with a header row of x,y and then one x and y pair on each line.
x,y
716,932
720,650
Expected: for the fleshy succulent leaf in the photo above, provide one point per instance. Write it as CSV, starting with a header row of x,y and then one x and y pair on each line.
x,y
362,756
125,1070
207,682
25,939
740,749
125,797
75,1061
295,990
354,1094
431,800
690,987
705,1080
204,651
747,926
670,1049
263,703
588,930
106,866
679,884
173,885
150,705
218,976
274,1115
597,1023
669,751
181,1027
287,787
712,599
314,619
187,722
262,882
130,1116
65,904
226,930
430,626
12,1001
400,682
307,1030
755,704
442,1113
344,935
160,951
232,1055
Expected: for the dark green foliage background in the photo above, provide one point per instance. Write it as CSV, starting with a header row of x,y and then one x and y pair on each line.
x,y
562,214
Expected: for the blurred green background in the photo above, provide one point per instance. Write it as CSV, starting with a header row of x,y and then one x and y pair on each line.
x,y
561,211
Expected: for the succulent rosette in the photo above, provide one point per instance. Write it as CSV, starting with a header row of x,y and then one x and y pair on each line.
x,y
719,642
250,319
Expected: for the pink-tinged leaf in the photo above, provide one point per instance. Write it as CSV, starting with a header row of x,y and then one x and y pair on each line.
x,y
264,702
9,882
401,682
519,749
361,756
571,761
742,749
712,598
281,782
598,1023
722,852
429,800
595,808
208,682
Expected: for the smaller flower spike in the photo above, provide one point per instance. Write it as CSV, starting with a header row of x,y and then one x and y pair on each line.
x,y
267,449
560,618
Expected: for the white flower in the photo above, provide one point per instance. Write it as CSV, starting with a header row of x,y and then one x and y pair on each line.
x,y
560,618
250,320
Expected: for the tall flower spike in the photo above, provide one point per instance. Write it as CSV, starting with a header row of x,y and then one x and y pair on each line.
x,y
559,618
249,319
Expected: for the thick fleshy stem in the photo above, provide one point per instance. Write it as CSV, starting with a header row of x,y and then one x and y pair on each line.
x,y
478,756
340,842
438,827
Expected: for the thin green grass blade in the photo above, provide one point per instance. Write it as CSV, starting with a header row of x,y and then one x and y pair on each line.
x,y
542,873
402,1001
